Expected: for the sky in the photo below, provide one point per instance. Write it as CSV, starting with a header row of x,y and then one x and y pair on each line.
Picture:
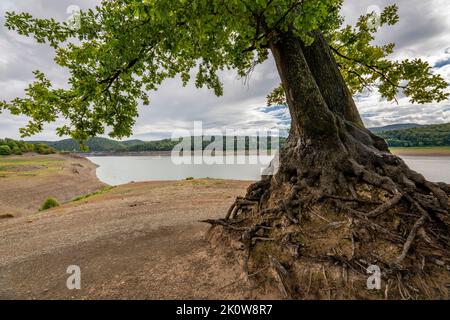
x,y
423,32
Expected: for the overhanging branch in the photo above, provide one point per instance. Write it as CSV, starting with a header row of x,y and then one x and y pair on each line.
x,y
371,67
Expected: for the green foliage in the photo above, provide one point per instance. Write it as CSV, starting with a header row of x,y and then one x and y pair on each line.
x,y
49,204
364,65
16,150
93,144
367,66
10,146
126,48
42,148
5,150
277,97
425,136
161,145
99,192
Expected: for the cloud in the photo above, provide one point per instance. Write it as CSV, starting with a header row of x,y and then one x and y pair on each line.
x,y
442,63
377,112
243,104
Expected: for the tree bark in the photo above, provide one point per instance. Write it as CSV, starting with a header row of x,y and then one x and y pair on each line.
x,y
332,85
312,119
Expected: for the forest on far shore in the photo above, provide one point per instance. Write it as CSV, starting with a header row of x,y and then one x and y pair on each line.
x,y
12,147
423,136
405,135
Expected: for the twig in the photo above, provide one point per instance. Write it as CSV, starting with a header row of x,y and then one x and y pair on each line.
x,y
319,216
309,283
364,201
326,282
352,237
255,239
413,232
223,223
281,275
385,206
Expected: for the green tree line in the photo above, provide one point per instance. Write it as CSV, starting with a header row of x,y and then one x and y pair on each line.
x,y
98,144
14,147
426,136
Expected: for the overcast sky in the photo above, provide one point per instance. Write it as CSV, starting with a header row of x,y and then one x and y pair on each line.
x,y
423,31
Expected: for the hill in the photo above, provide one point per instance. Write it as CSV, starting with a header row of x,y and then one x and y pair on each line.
x,y
398,126
423,136
108,145
94,144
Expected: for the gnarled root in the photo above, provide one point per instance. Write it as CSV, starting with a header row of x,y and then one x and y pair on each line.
x,y
344,211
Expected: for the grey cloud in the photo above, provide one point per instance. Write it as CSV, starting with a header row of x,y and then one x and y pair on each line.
x,y
423,27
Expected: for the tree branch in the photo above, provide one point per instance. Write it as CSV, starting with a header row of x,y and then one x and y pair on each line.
x,y
371,67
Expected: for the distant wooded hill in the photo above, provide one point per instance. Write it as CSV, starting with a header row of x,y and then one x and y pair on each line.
x,y
392,127
108,145
423,136
398,135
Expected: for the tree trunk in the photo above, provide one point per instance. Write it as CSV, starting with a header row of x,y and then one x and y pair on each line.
x,y
340,201
311,116
332,86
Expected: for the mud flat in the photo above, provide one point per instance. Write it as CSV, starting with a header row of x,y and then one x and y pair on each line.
x,y
27,181
140,240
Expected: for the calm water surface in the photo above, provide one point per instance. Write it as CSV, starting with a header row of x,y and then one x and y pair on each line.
x,y
120,170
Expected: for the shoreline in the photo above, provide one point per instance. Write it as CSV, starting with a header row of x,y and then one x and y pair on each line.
x,y
165,154
422,151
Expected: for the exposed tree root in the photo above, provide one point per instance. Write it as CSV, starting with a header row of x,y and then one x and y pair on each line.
x,y
385,206
281,275
411,237
324,218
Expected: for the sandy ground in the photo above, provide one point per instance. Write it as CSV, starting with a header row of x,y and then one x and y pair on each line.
x,y
136,241
27,181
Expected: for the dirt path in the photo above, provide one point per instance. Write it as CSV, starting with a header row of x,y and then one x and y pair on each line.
x,y
140,241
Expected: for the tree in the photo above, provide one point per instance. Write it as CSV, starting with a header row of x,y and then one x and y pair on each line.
x,y
336,181
42,148
16,150
5,150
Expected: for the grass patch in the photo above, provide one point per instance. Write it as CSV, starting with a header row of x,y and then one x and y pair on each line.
x,y
93,194
38,160
203,182
49,204
25,166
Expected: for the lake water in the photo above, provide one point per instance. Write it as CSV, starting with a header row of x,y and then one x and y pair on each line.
x,y
121,170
